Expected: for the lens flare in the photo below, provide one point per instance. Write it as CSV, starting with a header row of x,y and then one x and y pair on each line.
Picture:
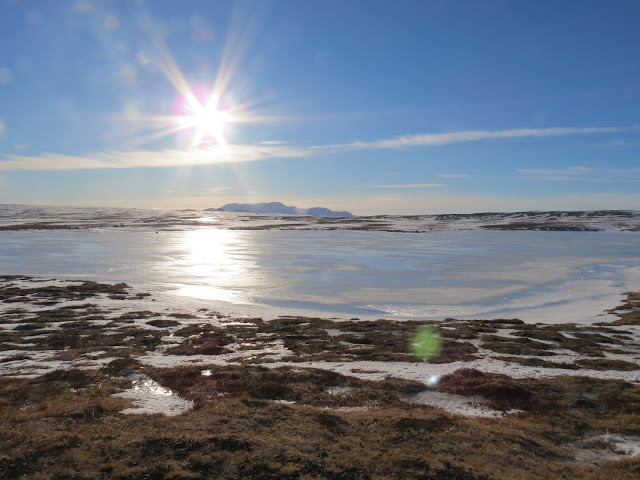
x,y
426,343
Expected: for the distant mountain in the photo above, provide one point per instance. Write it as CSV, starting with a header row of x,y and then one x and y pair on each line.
x,y
279,208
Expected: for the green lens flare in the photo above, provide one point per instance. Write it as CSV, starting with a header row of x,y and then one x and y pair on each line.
x,y
426,343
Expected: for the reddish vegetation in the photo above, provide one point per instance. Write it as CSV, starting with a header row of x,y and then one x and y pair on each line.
x,y
250,421
66,425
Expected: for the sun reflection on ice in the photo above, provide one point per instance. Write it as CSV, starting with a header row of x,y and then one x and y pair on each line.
x,y
212,264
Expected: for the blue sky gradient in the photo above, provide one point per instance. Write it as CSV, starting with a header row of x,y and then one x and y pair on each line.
x,y
370,106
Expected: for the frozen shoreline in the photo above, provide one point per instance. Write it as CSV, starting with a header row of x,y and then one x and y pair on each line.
x,y
30,217
114,318
536,276
460,266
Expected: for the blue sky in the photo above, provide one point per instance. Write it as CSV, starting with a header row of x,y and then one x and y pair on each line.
x,y
370,106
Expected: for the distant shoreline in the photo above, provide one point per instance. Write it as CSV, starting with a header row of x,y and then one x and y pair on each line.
x,y
21,217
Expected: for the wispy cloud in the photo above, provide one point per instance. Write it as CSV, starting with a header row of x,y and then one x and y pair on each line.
x,y
411,185
454,175
204,191
626,171
618,144
558,174
6,76
434,139
151,158
580,174
217,190
275,149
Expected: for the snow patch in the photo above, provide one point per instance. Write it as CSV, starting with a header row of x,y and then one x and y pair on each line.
x,y
150,397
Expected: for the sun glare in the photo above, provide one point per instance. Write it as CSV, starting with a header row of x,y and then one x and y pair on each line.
x,y
210,264
201,114
208,121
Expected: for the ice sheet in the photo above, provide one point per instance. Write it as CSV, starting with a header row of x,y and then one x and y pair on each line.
x,y
533,275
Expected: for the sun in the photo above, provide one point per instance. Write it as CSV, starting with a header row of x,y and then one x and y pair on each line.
x,y
208,121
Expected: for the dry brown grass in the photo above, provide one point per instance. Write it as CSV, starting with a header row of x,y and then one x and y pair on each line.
x,y
67,425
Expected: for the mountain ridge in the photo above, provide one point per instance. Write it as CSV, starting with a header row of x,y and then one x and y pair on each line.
x,y
280,208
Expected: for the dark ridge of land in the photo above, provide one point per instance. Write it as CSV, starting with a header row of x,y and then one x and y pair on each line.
x,y
250,421
541,226
48,218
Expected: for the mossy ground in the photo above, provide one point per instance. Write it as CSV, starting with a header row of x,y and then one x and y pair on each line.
x,y
250,421
67,425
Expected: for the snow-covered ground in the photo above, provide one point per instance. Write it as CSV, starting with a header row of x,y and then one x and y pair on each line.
x,y
32,302
27,217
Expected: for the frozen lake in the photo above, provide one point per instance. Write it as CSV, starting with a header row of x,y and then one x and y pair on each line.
x,y
533,275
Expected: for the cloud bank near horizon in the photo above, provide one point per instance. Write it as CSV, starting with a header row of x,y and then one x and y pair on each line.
x,y
145,158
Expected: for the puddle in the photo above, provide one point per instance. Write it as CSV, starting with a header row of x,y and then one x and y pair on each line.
x,y
150,397
623,445
590,449
626,310
341,391
471,406
347,409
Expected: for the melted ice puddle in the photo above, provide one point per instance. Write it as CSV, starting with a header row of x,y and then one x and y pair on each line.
x,y
625,445
620,447
470,406
150,397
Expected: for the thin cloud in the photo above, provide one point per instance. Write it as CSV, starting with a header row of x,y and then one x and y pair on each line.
x,y
626,171
579,170
580,174
618,144
215,191
150,158
434,139
267,150
6,76
412,185
584,174
454,175
203,192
